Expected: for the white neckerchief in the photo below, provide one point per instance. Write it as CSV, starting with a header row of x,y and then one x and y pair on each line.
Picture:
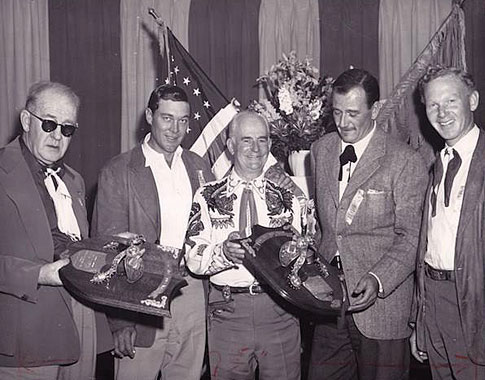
x,y
66,220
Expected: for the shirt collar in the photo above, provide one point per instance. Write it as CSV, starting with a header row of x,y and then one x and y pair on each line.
x,y
361,145
466,145
152,157
234,181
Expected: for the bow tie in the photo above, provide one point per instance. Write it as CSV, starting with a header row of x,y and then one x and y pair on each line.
x,y
347,156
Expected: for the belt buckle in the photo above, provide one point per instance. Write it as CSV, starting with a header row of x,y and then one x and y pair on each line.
x,y
251,289
226,293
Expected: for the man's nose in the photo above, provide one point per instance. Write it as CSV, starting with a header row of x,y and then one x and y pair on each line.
x,y
341,120
56,133
442,111
255,146
175,127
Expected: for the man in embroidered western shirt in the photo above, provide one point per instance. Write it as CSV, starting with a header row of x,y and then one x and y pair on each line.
x,y
450,297
247,328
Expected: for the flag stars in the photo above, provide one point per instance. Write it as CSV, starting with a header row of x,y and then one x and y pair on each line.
x,y
167,80
176,69
196,116
196,92
172,58
186,81
188,130
206,104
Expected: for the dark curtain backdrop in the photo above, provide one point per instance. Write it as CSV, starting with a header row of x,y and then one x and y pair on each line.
x,y
84,37
223,39
349,36
475,50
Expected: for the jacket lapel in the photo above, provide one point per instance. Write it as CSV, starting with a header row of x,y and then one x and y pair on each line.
x,y
330,167
369,162
144,187
473,187
20,187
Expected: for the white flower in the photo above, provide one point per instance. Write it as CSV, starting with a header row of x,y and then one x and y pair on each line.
x,y
284,99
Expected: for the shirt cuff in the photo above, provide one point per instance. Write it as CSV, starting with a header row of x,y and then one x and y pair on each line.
x,y
381,289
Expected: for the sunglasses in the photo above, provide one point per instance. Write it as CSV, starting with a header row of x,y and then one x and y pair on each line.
x,y
67,130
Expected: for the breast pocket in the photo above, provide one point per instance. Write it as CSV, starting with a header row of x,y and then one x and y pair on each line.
x,y
379,207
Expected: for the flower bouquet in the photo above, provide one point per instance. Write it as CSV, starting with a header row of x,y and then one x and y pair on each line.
x,y
296,104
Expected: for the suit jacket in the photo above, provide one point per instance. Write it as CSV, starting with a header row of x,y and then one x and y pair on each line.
x,y
127,200
375,225
469,260
37,326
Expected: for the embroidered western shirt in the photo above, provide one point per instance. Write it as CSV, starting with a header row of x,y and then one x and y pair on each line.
x,y
215,214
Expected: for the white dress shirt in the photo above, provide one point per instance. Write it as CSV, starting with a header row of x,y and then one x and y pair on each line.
x,y
442,228
348,169
174,194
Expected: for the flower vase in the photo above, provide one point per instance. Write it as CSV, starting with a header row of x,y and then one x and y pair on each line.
x,y
299,162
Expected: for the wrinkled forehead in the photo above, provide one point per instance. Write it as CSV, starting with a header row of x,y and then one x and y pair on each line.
x,y
56,104
249,124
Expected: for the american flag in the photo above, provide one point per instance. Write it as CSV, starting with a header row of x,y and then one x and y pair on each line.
x,y
211,111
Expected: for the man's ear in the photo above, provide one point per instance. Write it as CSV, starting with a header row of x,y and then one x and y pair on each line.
x,y
230,145
376,107
149,116
25,120
474,100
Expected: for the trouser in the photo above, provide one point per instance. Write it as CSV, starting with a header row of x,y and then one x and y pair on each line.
x,y
84,368
341,352
445,343
249,332
178,349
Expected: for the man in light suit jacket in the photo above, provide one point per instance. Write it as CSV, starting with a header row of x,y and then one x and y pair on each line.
x,y
369,190
450,297
148,190
44,333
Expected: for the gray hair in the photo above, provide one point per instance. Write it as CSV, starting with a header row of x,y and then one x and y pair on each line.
x,y
40,87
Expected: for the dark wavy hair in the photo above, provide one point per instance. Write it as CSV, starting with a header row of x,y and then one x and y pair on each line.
x,y
358,78
166,92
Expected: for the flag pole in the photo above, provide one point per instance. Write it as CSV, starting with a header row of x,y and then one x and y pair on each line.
x,y
164,46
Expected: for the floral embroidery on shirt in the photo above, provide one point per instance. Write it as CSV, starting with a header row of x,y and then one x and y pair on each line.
x,y
217,201
280,221
278,199
222,223
195,225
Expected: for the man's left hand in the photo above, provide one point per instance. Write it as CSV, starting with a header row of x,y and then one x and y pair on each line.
x,y
365,293
277,175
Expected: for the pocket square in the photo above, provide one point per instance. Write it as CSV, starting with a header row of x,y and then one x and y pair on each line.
x,y
375,192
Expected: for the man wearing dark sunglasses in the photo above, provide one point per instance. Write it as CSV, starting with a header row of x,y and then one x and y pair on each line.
x,y
45,334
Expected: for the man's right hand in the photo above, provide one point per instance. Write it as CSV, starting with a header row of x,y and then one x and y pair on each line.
x,y
420,356
232,250
49,273
124,342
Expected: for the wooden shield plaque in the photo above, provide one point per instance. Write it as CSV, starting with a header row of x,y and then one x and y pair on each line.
x,y
282,259
124,272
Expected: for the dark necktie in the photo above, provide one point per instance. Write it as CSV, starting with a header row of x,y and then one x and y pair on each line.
x,y
248,216
453,166
348,155
452,169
